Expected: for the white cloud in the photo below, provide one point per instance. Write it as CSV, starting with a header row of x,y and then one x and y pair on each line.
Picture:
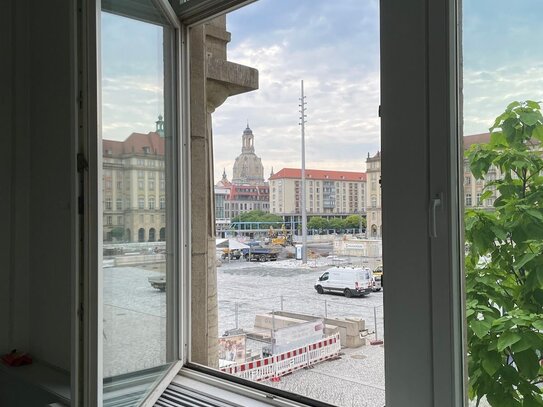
x,y
130,103
488,92
342,104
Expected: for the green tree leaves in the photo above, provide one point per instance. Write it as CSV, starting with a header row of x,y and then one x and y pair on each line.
x,y
504,264
317,223
258,216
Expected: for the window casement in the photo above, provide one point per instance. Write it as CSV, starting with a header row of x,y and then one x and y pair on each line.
x,y
427,147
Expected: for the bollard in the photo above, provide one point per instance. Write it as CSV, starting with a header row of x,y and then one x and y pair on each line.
x,y
376,341
325,309
375,322
282,303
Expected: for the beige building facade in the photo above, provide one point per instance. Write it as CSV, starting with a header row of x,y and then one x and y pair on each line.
x,y
473,188
373,196
328,193
134,188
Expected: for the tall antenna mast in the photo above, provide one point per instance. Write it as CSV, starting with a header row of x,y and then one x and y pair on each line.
x,y
303,108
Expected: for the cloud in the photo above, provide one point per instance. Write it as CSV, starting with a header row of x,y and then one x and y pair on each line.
x,y
130,104
337,56
488,92
502,62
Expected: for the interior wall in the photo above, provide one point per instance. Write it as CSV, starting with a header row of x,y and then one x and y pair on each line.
x,y
6,96
52,140
36,247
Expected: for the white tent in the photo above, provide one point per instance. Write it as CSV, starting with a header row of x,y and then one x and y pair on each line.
x,y
231,244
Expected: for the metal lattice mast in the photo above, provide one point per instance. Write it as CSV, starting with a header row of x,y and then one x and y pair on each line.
x,y
303,109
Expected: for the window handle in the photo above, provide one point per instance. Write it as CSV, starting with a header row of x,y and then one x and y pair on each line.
x,y
435,203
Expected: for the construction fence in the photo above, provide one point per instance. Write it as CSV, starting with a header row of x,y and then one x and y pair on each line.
x,y
284,363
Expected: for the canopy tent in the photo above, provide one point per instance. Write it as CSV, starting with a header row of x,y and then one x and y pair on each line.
x,y
231,244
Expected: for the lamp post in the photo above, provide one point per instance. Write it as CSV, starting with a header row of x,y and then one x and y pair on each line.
x,y
304,212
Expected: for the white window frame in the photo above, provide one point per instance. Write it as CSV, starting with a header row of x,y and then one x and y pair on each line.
x,y
424,352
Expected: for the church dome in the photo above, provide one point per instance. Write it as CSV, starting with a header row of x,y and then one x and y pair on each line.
x,y
248,168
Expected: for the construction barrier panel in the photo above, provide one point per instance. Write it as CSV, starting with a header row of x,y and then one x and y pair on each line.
x,y
287,362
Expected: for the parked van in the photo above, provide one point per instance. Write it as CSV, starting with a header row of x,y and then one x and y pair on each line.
x,y
379,278
350,281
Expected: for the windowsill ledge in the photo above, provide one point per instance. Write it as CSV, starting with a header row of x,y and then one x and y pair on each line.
x,y
52,380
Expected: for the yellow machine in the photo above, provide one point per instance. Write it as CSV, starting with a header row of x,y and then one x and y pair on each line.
x,y
277,239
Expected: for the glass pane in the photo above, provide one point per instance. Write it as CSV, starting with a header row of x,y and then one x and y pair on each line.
x,y
136,171
279,314
502,184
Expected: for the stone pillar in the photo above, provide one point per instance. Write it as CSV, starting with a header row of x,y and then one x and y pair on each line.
x,y
212,80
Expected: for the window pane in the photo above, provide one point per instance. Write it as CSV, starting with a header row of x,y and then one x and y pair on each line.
x,y
270,309
503,79
135,142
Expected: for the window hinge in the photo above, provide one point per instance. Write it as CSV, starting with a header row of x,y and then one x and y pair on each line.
x,y
82,163
379,111
80,312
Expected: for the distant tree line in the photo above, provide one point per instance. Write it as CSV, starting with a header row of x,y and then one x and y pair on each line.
x,y
317,223
338,224
259,216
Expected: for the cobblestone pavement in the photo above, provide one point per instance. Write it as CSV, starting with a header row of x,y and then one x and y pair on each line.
x,y
134,324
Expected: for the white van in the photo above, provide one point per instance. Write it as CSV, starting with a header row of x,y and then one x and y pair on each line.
x,y
350,281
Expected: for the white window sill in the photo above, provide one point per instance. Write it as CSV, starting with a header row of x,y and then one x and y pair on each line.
x,y
226,393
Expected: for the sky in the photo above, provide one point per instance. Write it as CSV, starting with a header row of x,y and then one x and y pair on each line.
x,y
334,47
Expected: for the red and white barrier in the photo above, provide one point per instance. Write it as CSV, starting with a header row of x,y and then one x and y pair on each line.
x,y
287,362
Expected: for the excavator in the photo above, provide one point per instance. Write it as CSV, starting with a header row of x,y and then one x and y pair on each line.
x,y
280,239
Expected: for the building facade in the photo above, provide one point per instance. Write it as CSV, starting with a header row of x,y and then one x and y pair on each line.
x,y
474,188
134,188
246,192
373,196
328,193
221,194
246,198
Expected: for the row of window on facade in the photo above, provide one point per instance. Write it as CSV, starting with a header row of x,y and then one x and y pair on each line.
x,y
252,190
151,236
478,202
149,163
151,185
245,206
151,203
109,219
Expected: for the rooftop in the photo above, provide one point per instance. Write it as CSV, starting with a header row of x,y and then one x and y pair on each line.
x,y
296,173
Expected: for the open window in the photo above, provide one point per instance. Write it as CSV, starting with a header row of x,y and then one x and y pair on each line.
x,y
183,43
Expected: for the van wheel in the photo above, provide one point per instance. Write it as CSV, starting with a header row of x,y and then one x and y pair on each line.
x,y
320,290
348,293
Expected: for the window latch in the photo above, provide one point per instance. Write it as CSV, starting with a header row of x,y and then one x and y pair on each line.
x,y
435,203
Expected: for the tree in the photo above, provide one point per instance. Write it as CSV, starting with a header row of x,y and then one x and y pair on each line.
x,y
117,233
504,263
317,223
337,224
258,216
353,222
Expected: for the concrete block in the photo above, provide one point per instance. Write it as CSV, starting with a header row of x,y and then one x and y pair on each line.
x,y
265,321
354,342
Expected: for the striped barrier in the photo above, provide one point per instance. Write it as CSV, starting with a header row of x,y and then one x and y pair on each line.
x,y
287,362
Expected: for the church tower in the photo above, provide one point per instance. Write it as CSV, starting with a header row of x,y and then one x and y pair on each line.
x,y
248,168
